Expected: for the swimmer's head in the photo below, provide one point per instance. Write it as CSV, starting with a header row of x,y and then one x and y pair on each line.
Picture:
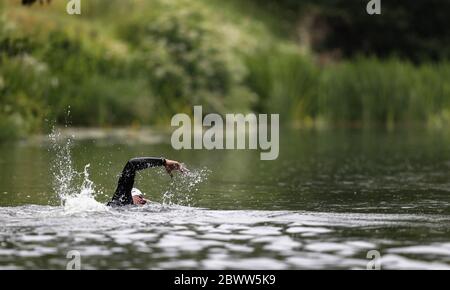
x,y
138,197
135,192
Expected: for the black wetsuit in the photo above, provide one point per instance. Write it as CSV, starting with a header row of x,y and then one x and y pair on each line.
x,y
122,196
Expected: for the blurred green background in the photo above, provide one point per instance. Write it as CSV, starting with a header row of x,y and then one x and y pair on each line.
x,y
138,62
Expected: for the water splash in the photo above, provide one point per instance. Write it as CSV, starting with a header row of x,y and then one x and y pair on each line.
x,y
64,175
75,190
184,186
84,201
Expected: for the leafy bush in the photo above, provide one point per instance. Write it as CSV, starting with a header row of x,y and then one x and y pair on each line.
x,y
186,64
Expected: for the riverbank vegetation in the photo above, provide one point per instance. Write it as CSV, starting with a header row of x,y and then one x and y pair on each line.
x,y
124,63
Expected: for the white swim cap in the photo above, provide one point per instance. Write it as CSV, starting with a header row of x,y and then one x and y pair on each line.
x,y
135,192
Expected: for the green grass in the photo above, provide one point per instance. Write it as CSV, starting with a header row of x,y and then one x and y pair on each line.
x,y
363,91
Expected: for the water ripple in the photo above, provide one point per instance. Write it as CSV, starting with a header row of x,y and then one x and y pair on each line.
x,y
174,237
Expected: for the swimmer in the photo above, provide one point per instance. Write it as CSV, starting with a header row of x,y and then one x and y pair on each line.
x,y
125,193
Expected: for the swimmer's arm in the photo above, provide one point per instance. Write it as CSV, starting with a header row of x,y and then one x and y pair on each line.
x,y
147,162
141,163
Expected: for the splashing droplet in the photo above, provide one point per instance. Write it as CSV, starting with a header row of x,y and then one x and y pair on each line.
x,y
184,186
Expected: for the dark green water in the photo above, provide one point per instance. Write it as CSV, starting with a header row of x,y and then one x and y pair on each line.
x,y
329,198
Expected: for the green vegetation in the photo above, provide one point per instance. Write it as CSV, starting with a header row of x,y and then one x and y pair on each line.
x,y
139,62
364,91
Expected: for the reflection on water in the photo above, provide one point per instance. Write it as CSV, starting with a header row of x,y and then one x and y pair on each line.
x,y
157,236
329,199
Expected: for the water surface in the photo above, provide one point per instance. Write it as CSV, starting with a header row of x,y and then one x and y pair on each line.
x,y
331,197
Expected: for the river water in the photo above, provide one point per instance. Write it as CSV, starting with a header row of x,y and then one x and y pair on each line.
x,y
332,200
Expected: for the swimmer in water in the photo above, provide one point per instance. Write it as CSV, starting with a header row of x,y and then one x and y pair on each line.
x,y
125,193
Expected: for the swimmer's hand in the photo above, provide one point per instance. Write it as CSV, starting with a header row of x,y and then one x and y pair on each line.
x,y
139,199
172,165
